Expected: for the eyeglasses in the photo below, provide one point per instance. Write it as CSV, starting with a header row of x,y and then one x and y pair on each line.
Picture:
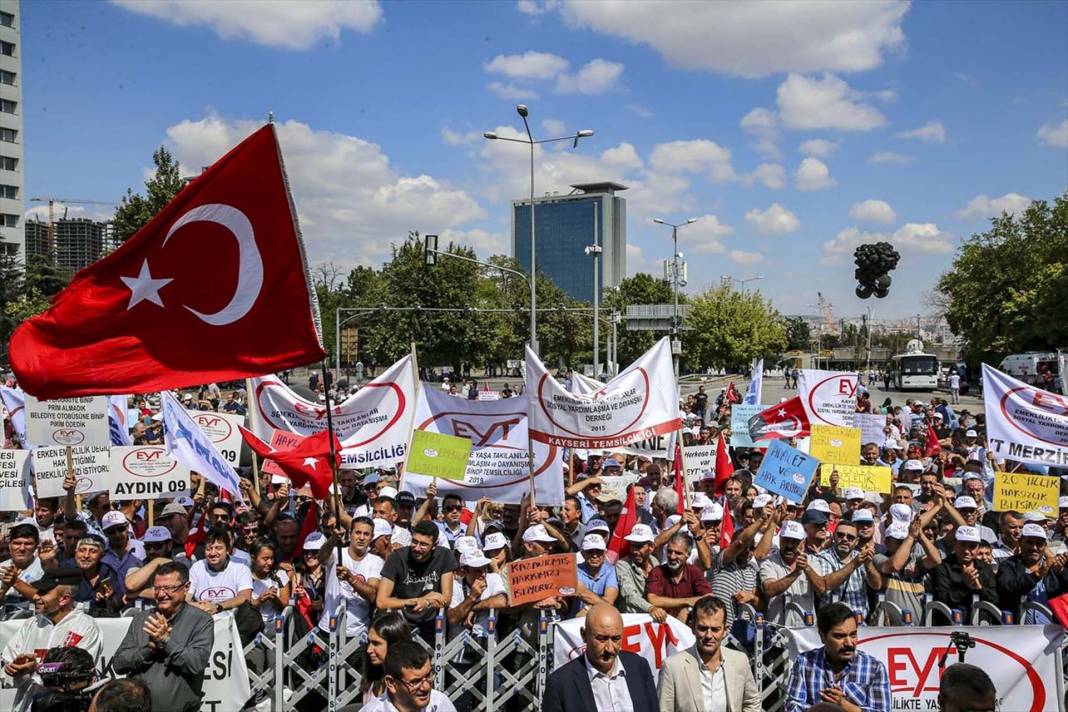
x,y
417,683
846,537
453,507
171,590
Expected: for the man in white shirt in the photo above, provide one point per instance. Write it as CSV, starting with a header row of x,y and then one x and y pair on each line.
x,y
355,580
217,583
409,680
24,567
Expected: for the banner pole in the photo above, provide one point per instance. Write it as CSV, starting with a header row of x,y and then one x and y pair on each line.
x,y
70,471
415,407
570,466
686,486
333,455
252,424
151,513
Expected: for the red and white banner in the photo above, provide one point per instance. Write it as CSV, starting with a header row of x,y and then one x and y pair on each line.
x,y
829,397
498,467
1023,422
146,472
653,641
1021,661
638,404
373,424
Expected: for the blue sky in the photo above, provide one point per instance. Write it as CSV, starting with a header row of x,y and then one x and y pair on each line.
x,y
795,131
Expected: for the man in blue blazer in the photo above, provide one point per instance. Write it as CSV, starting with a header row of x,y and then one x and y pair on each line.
x,y
605,678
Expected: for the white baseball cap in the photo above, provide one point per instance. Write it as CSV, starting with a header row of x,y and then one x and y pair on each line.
x,y
314,542
699,501
712,513
969,534
792,530
154,535
473,559
854,493
672,521
897,530
1033,530
820,505
465,543
1034,516
1062,503
401,536
901,513
593,542
891,444
114,518
388,492
912,465
965,502
862,515
640,534
494,541
760,500
970,434
382,528
537,533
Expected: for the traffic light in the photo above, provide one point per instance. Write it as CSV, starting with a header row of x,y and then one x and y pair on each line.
x,y
430,249
874,264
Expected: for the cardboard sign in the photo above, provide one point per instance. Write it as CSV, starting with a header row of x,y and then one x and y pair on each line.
x,y
1026,493
68,421
872,428
617,486
869,479
698,460
830,443
532,580
786,471
15,478
740,415
221,429
438,455
146,472
91,467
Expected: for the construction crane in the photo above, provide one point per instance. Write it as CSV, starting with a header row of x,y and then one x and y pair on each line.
x,y
825,311
52,214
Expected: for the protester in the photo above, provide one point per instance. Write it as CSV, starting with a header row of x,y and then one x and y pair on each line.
x,y
418,579
122,695
409,682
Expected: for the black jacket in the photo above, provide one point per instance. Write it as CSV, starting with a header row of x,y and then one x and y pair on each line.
x,y
569,690
947,584
1014,582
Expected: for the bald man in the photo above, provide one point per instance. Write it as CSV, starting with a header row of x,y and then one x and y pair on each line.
x,y
605,678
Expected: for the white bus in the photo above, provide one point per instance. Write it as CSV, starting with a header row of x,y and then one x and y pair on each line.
x,y
914,371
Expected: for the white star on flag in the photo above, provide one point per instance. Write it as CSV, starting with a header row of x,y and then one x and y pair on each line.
x,y
311,462
782,412
144,287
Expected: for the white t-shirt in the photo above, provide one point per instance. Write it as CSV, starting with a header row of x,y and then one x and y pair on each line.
x,y
278,579
494,586
31,573
357,608
36,635
218,586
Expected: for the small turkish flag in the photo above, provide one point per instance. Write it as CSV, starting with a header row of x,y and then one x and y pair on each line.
x,y
618,547
306,463
214,288
785,420
933,447
724,466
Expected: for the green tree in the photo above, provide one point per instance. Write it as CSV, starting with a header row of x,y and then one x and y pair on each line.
x,y
1007,288
44,276
798,334
728,329
640,289
135,210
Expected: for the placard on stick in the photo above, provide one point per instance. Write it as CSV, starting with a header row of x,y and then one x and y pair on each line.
x,y
68,421
869,479
146,472
832,443
532,580
91,467
1026,493
439,455
786,471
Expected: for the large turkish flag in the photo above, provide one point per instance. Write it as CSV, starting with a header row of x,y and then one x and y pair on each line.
x,y
214,288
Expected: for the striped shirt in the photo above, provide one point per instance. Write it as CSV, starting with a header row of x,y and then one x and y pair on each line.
x,y
853,591
863,681
731,578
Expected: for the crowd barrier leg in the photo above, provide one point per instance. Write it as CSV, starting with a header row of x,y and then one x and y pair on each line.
x,y
491,661
279,669
331,668
439,647
544,651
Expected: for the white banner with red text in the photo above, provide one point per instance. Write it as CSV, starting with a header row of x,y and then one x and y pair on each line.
x,y
829,397
1023,422
653,641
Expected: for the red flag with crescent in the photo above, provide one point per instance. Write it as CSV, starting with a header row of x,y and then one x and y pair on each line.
x,y
214,288
785,420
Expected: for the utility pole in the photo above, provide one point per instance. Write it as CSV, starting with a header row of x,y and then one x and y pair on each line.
x,y
594,251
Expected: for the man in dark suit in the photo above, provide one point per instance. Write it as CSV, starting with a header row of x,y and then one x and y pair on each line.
x,y
605,678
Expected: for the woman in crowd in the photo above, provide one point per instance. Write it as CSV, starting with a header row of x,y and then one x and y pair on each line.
x,y
270,584
384,631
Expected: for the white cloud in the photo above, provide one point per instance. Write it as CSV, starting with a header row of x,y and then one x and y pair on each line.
x,y
640,111
289,24
537,7
553,127
703,236
762,124
770,175
932,132
350,201
636,261
1054,134
878,211
983,206
696,156
888,157
596,77
459,138
623,156
776,220
746,258
61,210
750,39
529,65
481,241
925,238
818,147
827,103
510,91
812,174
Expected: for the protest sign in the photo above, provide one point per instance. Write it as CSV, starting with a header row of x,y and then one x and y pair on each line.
x,y
869,479
641,634
830,443
438,455
740,415
872,428
786,471
639,403
280,440
68,421
1024,422
829,397
617,486
698,460
662,445
15,479
191,446
499,464
222,430
91,466
532,580
146,472
486,395
1024,493
373,424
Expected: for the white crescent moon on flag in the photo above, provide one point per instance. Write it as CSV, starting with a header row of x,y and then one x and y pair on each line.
x,y
250,261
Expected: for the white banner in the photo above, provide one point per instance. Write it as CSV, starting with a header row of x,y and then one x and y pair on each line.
x,y
872,428
188,444
829,397
221,429
583,385
498,467
1019,659
662,446
637,404
756,384
68,421
1062,369
699,459
146,472
653,641
1023,422
15,478
373,424
15,404
226,685
91,465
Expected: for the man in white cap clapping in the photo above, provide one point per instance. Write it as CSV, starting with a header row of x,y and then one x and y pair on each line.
x,y
1034,573
632,572
961,575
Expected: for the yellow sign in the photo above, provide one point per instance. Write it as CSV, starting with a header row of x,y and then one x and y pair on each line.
x,y
869,479
439,455
1026,493
831,443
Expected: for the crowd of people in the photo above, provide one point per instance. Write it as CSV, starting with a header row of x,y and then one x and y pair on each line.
x,y
385,562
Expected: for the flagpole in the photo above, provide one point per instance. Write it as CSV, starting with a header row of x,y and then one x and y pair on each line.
x,y
252,424
415,407
686,488
333,455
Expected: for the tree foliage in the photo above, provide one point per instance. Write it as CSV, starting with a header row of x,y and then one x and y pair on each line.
x,y
728,329
1007,288
640,289
135,209
798,334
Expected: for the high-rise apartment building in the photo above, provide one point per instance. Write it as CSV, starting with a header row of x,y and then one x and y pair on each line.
x,y
79,241
12,200
564,226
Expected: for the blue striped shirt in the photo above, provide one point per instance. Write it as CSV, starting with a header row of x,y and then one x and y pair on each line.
x,y
863,680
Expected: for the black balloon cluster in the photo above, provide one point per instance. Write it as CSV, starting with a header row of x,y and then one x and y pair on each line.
x,y
874,263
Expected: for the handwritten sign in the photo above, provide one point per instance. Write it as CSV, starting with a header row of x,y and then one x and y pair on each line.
x,y
831,443
698,460
15,478
68,421
1026,493
146,472
786,471
532,580
740,415
91,465
280,440
438,455
869,479
872,428
617,486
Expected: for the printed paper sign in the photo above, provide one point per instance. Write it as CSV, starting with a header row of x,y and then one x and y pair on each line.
x,y
1026,493
829,397
786,471
698,460
1023,422
91,467
657,446
617,486
532,580
834,444
641,634
221,429
740,415
146,472
15,479
869,479
438,455
872,428
68,421
489,395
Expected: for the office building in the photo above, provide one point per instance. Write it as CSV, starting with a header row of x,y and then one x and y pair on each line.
x,y
79,241
564,226
12,200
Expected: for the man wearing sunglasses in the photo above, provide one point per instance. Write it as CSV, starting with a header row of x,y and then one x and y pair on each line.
x,y
452,528
849,571
409,680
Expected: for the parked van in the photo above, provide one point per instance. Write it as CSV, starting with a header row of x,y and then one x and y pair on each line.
x,y
1030,366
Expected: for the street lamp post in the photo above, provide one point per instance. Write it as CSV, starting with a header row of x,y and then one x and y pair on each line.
x,y
594,251
743,282
338,321
523,112
676,345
